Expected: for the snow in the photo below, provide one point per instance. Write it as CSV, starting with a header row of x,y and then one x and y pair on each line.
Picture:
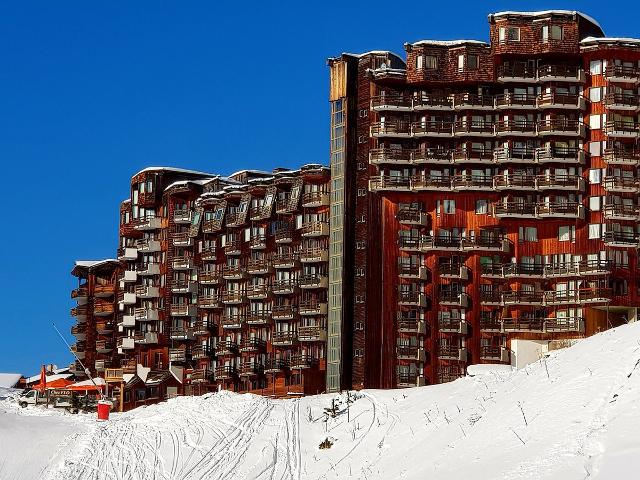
x,y
9,380
174,170
94,263
574,414
544,13
627,40
489,369
449,43
50,378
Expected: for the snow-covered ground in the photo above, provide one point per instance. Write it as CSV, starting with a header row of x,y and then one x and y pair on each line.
x,y
574,415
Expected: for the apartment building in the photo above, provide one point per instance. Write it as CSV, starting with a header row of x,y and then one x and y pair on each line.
x,y
493,195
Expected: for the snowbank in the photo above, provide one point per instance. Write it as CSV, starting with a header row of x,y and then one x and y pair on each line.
x,y
574,414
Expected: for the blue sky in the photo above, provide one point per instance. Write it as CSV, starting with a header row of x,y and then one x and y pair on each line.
x,y
95,91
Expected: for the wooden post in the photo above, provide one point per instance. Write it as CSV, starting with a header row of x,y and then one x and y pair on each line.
x,y
121,397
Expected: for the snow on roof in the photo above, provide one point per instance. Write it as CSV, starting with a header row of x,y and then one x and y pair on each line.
x,y
89,383
448,43
544,13
174,170
93,263
199,181
373,52
9,380
623,40
50,378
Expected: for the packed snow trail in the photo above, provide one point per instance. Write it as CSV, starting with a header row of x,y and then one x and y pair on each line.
x,y
573,415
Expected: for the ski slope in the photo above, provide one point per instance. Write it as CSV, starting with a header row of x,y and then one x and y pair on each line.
x,y
573,415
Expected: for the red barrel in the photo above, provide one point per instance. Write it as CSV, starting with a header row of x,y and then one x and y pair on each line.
x,y
104,407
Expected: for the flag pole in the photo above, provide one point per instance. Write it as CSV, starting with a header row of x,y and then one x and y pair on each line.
x,y
86,370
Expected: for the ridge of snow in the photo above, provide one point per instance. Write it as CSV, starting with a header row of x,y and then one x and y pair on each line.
x,y
175,170
542,13
449,43
634,41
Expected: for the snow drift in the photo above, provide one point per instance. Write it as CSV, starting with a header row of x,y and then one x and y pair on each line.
x,y
574,414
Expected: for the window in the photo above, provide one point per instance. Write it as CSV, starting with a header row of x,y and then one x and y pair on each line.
x,y
528,234
595,176
594,122
594,231
461,63
362,192
595,67
595,149
482,206
419,62
509,34
595,203
430,62
595,94
472,62
554,30
449,206
363,139
364,112
566,233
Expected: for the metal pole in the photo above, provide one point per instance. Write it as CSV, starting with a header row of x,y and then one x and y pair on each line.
x,y
86,370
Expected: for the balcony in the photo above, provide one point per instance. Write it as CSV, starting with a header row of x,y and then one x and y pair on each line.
x,y
522,297
451,352
621,156
210,277
422,182
211,226
232,321
516,101
226,347
432,102
565,155
515,128
389,156
313,281
516,73
79,331
561,101
181,239
433,129
126,343
146,314
200,375
177,355
418,327
523,270
514,210
148,245
445,243
414,271
127,321
409,379
284,339
183,310
398,103
102,365
250,369
411,216
523,156
561,270
275,365
150,268
252,344
410,244
410,352
473,156
259,266
233,297
560,182
453,325
303,361
522,324
285,286
80,293
127,253
315,199
567,324
285,260
491,270
561,126
436,156
202,326
390,129
259,317
184,286
389,183
126,298
622,102
561,73
312,307
621,184
560,210
595,295
472,182
416,299
261,211
284,312
494,353
314,255
621,239
622,74
312,334
621,212
487,243
149,223
469,101
182,216
453,270
147,291
315,229
283,235
129,276
209,301
258,242
513,181
146,338
621,129
473,129
103,309
233,272
225,372
258,291
181,333
182,263
233,247
490,325
453,299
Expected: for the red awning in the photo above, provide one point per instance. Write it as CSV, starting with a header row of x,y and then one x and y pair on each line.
x,y
59,383
83,387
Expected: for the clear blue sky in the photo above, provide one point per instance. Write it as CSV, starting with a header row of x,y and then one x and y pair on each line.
x,y
95,91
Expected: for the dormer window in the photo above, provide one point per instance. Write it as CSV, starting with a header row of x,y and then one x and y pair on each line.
x,y
551,31
509,34
426,62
